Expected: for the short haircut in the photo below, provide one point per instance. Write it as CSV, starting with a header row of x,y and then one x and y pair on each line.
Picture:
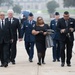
x,y
2,13
10,11
66,12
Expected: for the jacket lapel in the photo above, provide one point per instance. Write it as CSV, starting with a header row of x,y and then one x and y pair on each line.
x,y
0,25
64,24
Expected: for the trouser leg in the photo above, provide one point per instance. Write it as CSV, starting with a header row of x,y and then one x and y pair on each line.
x,y
31,50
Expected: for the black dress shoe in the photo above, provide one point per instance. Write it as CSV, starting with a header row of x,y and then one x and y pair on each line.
x,y
39,63
30,60
54,60
5,64
68,65
58,60
62,65
2,65
43,63
13,62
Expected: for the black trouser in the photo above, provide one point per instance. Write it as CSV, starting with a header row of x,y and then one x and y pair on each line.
x,y
68,45
12,51
4,48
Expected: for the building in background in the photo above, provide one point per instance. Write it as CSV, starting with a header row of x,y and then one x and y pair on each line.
x,y
31,4
35,4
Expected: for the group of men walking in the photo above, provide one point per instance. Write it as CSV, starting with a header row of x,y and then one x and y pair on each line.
x,y
62,38
8,38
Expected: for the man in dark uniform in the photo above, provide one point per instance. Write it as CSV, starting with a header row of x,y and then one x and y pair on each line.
x,y
55,37
66,27
5,37
15,25
29,37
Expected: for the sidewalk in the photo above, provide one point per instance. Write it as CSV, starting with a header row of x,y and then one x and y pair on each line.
x,y
24,67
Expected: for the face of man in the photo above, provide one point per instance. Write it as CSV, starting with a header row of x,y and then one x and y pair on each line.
x,y
2,16
66,16
10,15
30,18
57,17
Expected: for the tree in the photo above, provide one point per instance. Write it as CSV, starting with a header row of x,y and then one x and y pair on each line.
x,y
17,9
51,6
2,1
8,2
69,3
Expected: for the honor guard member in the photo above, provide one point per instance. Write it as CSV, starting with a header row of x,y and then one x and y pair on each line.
x,y
55,37
29,37
66,27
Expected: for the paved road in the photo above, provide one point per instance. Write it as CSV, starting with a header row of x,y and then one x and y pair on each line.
x,y
24,67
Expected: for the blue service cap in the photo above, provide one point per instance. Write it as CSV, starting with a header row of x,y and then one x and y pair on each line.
x,y
56,13
30,14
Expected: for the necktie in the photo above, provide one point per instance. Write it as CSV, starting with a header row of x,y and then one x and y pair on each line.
x,y
68,34
10,20
56,22
66,23
30,22
2,23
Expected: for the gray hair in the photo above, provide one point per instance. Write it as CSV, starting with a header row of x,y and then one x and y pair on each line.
x,y
10,11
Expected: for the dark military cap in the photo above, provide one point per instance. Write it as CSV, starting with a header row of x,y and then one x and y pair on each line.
x,y
56,13
30,14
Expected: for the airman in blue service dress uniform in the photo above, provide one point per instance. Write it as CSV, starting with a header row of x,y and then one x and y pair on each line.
x,y
29,37
55,37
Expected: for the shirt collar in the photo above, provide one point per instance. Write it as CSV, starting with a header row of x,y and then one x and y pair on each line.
x,y
1,20
10,18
